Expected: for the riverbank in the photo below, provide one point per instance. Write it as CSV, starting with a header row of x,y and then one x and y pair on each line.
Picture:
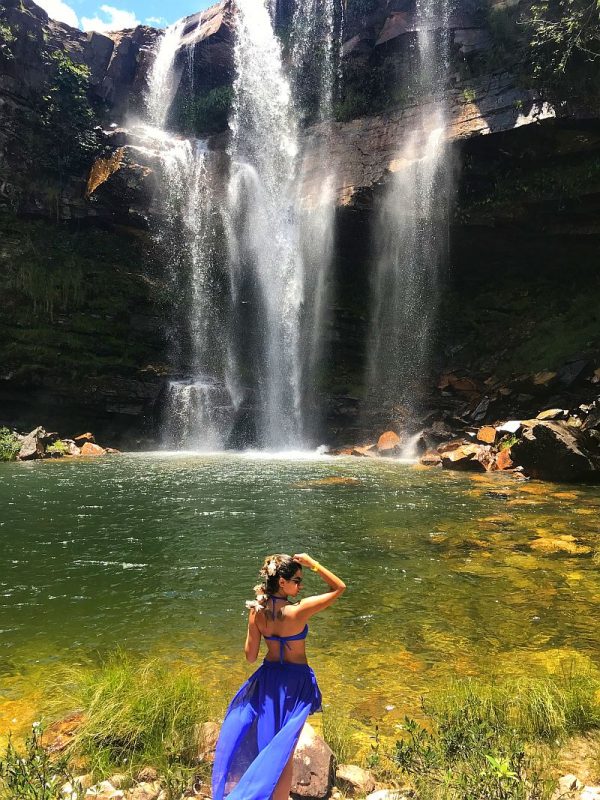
x,y
143,731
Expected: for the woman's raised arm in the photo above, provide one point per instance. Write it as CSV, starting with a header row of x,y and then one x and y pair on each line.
x,y
312,605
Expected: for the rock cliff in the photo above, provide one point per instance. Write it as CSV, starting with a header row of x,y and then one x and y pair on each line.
x,y
84,333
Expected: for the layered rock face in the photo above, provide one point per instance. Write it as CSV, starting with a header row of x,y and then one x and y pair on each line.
x,y
526,207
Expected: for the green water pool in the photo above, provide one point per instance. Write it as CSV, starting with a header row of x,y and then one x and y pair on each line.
x,y
449,574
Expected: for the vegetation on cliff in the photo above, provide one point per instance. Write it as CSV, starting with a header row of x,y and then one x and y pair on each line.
x,y
565,44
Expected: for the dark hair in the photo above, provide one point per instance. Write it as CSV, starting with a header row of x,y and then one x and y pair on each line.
x,y
275,567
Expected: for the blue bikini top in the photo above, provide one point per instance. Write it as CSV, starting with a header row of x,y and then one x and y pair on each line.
x,y
285,640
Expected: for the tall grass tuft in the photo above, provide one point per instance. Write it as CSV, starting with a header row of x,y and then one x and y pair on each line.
x,y
135,713
536,709
339,735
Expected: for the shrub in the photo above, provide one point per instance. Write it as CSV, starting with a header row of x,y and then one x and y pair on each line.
x,y
9,445
33,775
57,448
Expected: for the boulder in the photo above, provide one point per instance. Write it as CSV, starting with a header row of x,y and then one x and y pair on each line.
x,y
72,448
354,781
471,457
552,413
590,793
313,766
207,736
368,451
503,459
512,426
569,783
147,775
388,441
58,736
90,449
551,451
118,780
391,794
431,458
487,434
105,791
33,445
82,438
144,791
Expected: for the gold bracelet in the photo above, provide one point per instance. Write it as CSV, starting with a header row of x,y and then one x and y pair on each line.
x,y
316,566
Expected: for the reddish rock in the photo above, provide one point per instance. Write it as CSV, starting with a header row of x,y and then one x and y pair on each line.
x,y
431,458
503,459
368,451
487,434
90,449
388,441
60,734
83,437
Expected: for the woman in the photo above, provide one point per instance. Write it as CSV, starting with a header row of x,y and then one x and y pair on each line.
x,y
254,756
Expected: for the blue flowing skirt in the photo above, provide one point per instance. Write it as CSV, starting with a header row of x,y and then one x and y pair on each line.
x,y
261,729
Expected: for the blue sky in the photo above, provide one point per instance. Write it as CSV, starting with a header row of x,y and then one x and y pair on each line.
x,y
113,15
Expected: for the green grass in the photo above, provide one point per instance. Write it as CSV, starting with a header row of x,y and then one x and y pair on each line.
x,y
135,713
535,709
338,732
492,740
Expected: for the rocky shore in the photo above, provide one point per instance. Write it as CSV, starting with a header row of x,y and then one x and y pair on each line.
x,y
544,426
40,443
316,775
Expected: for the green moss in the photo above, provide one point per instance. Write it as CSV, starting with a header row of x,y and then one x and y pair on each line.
x,y
69,300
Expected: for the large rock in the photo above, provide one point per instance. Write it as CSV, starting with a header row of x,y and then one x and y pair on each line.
x,y
552,451
477,457
313,766
354,781
388,442
33,445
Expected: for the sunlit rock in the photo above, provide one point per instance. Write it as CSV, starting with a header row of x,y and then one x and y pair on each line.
x,y
313,765
354,781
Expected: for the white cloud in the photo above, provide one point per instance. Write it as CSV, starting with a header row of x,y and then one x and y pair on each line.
x,y
118,19
58,10
156,21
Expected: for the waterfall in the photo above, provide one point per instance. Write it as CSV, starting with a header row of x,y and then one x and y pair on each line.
x,y
411,239
163,79
198,407
264,248
315,57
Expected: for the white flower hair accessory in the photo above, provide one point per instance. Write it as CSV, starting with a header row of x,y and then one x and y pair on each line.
x,y
271,568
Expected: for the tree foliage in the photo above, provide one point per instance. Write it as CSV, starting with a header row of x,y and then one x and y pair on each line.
x,y
565,39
